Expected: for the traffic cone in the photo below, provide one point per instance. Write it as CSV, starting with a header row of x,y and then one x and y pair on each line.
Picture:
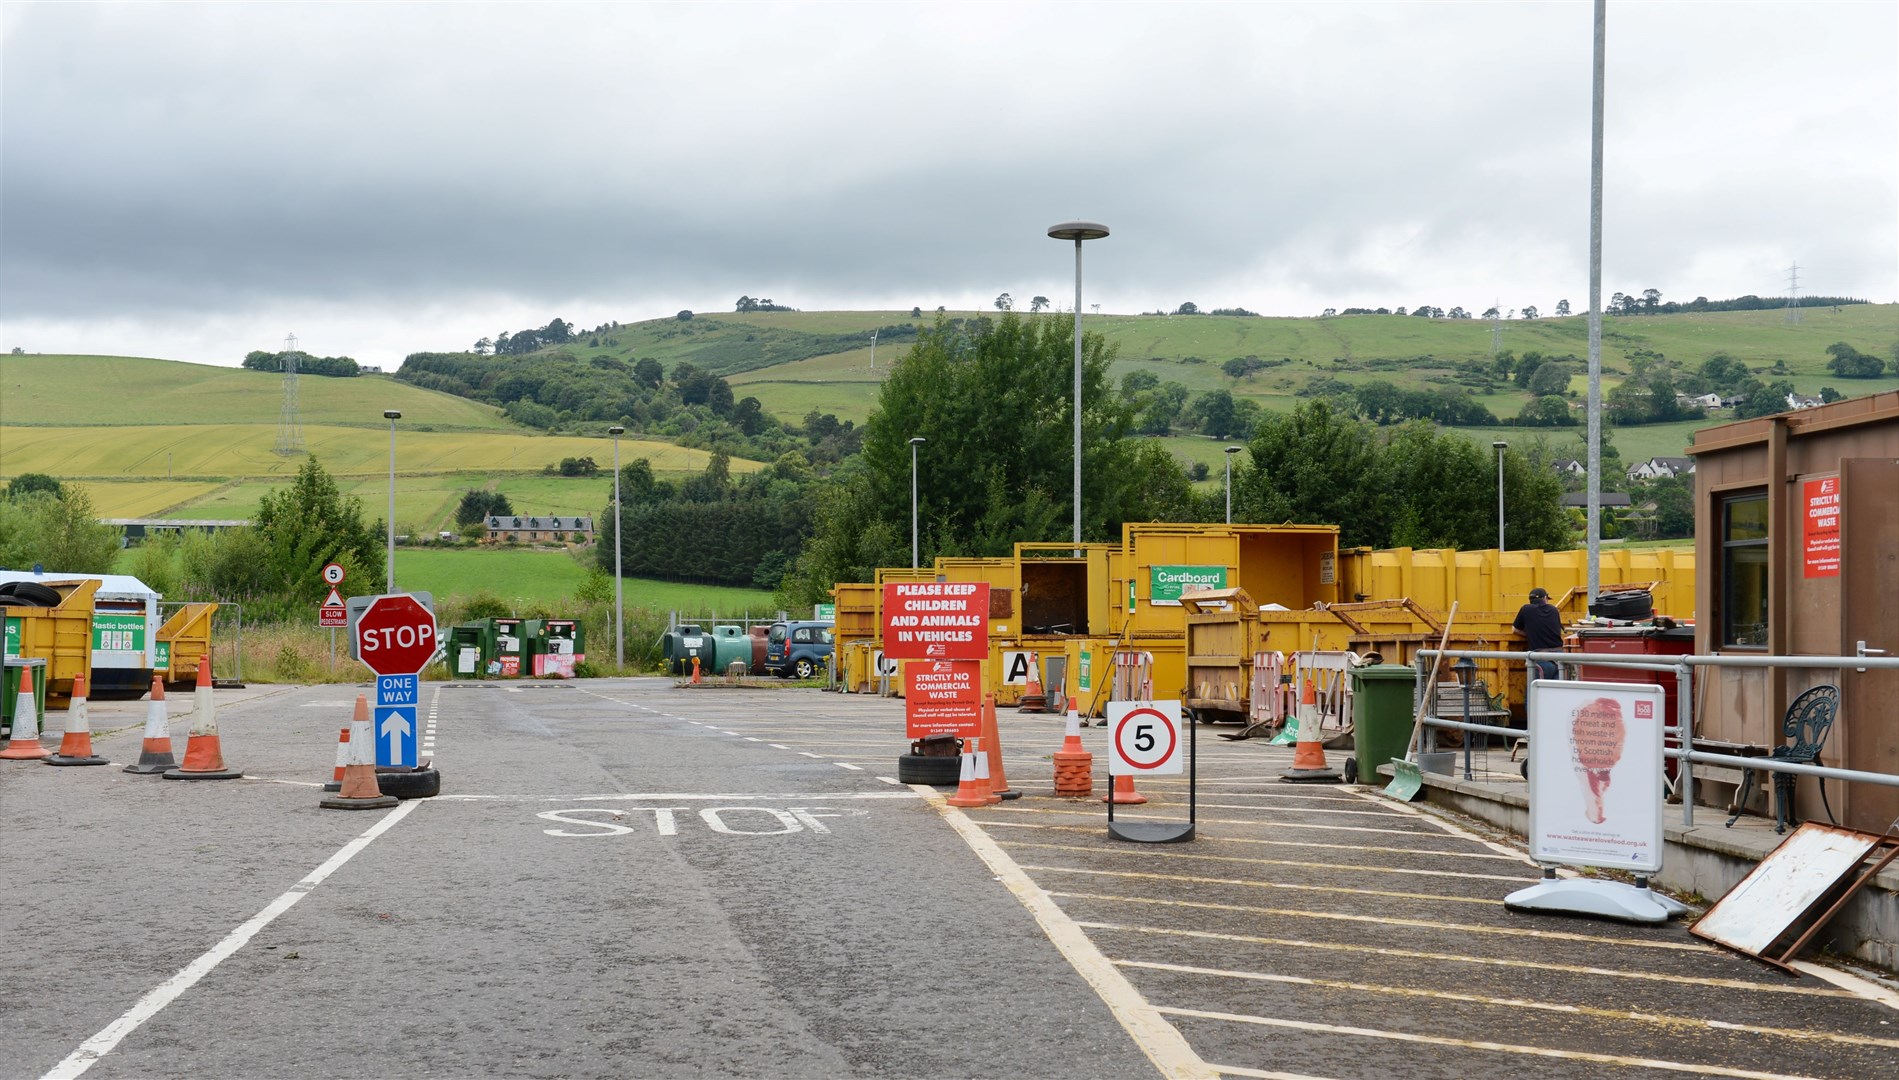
x,y
155,755
204,754
75,747
1123,792
1308,754
1074,766
972,789
359,790
695,671
1033,699
25,743
992,739
342,760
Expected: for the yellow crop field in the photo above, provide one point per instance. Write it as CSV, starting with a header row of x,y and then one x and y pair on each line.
x,y
246,450
142,498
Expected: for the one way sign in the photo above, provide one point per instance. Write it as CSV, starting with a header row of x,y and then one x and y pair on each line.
x,y
397,738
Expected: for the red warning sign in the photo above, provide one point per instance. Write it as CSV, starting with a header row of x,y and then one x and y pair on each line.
x,y
1820,528
936,620
944,698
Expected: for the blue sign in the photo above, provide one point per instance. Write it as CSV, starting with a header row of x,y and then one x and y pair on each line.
x,y
397,734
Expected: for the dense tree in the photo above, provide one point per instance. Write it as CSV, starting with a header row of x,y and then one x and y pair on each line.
x,y
1547,411
59,531
1005,302
1188,308
33,483
1529,311
1762,399
477,506
649,373
1562,307
1549,378
1850,363
301,527
1314,465
1038,303
1725,374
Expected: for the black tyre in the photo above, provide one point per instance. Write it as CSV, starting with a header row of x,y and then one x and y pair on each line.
x,y
1351,770
33,594
410,783
935,771
804,669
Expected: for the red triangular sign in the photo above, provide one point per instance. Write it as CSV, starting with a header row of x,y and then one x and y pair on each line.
x,y
333,600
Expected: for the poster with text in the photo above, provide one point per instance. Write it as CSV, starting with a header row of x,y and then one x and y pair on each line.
x,y
944,698
1596,774
936,620
1820,528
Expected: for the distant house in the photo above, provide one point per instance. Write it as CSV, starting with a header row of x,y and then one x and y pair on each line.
x,y
1657,468
1570,467
1613,500
1704,401
1802,401
549,530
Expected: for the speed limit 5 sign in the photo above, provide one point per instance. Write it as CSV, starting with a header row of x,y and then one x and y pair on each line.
x,y
1144,738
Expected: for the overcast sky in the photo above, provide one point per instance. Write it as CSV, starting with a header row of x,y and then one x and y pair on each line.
x,y
195,181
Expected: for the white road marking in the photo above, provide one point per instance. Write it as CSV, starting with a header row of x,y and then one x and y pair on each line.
x,y
1287,862
727,797
1159,1040
1475,1044
778,746
1448,826
165,993
1095,830
892,780
809,754
749,738
273,780
848,765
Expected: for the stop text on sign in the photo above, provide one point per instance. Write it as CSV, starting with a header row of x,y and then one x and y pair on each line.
x,y
387,638
936,620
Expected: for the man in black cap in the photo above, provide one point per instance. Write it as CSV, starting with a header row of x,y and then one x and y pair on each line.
x,y
1542,625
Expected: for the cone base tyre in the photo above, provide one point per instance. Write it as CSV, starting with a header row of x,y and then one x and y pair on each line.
x,y
929,769
380,802
222,774
62,759
409,783
804,669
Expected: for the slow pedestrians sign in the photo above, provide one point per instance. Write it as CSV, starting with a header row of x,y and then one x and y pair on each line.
x,y
332,613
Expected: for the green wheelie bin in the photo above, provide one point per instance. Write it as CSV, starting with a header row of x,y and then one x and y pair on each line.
x,y
1381,717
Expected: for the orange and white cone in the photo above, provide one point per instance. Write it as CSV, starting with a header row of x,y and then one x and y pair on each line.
x,y
1074,765
75,748
972,789
204,753
1033,699
1308,753
342,760
155,755
359,788
25,743
992,740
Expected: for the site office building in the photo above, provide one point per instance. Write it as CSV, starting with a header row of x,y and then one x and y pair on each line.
x,y
1797,537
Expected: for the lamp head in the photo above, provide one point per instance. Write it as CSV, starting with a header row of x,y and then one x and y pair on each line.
x,y
1234,449
1078,230
917,439
392,414
616,431
1500,444
1466,669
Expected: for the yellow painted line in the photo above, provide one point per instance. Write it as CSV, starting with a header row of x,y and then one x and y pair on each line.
x,y
1295,809
1415,954
1448,826
1852,984
1163,1044
1173,878
1676,1023
1419,924
1096,831
1265,1074
1097,814
1477,1044
1287,862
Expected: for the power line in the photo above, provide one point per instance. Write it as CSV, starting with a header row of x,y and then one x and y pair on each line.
x,y
1793,293
289,424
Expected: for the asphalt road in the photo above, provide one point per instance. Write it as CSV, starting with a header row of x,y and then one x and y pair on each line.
x,y
625,878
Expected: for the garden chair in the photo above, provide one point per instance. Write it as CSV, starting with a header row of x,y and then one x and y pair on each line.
x,y
1807,722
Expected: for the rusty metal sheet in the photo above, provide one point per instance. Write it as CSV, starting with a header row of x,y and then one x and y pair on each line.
x,y
1788,882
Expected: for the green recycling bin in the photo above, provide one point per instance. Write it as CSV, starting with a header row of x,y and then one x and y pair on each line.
x,y
558,646
1381,716
471,648
16,668
730,643
510,647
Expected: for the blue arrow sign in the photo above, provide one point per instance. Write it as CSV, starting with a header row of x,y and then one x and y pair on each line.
x,y
397,733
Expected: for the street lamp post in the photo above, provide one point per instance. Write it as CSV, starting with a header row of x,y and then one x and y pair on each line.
x,y
619,583
914,443
1077,231
1501,446
1230,451
391,415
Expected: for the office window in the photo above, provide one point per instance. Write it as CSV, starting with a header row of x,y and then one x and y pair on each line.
x,y
1743,585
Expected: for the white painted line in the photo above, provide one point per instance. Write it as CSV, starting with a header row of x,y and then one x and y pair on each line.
x,y
1289,862
892,780
1450,827
809,754
778,746
848,765
273,780
1852,984
749,738
642,797
1095,830
1487,961
1475,1044
1095,815
1487,901
165,993
1159,1040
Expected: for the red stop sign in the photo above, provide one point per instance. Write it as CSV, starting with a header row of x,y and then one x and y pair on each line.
x,y
396,635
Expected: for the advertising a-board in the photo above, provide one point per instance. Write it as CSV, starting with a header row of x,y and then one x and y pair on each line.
x,y
1596,774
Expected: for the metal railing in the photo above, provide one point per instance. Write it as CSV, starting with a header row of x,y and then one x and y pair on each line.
x,y
1682,730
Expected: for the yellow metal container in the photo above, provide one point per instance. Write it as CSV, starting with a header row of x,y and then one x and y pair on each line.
x,y
856,618
1223,633
1488,580
60,635
184,640
1293,566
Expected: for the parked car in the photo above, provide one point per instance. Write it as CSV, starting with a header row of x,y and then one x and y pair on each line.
x,y
797,649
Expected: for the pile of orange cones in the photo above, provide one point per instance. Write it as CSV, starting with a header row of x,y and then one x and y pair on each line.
x,y
204,753
1074,766
155,755
76,747
24,745
972,788
992,740
359,790
1308,753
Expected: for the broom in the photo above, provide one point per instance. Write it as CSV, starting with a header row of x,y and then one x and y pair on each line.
x,y
1406,779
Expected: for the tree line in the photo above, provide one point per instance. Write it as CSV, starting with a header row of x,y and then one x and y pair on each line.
x,y
711,527
336,367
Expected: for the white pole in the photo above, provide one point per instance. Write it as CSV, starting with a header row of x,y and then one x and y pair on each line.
x,y
390,575
1078,396
913,504
1500,547
1595,312
1229,489
619,583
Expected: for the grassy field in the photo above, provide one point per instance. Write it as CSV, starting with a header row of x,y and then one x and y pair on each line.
x,y
65,391
135,498
527,576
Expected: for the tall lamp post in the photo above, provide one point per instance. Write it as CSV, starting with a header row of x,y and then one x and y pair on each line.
x,y
1500,446
1078,231
1230,451
914,443
389,576
619,583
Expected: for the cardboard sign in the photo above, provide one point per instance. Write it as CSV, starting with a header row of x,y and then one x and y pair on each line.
x,y
1596,774
1165,584
936,620
944,698
1820,528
